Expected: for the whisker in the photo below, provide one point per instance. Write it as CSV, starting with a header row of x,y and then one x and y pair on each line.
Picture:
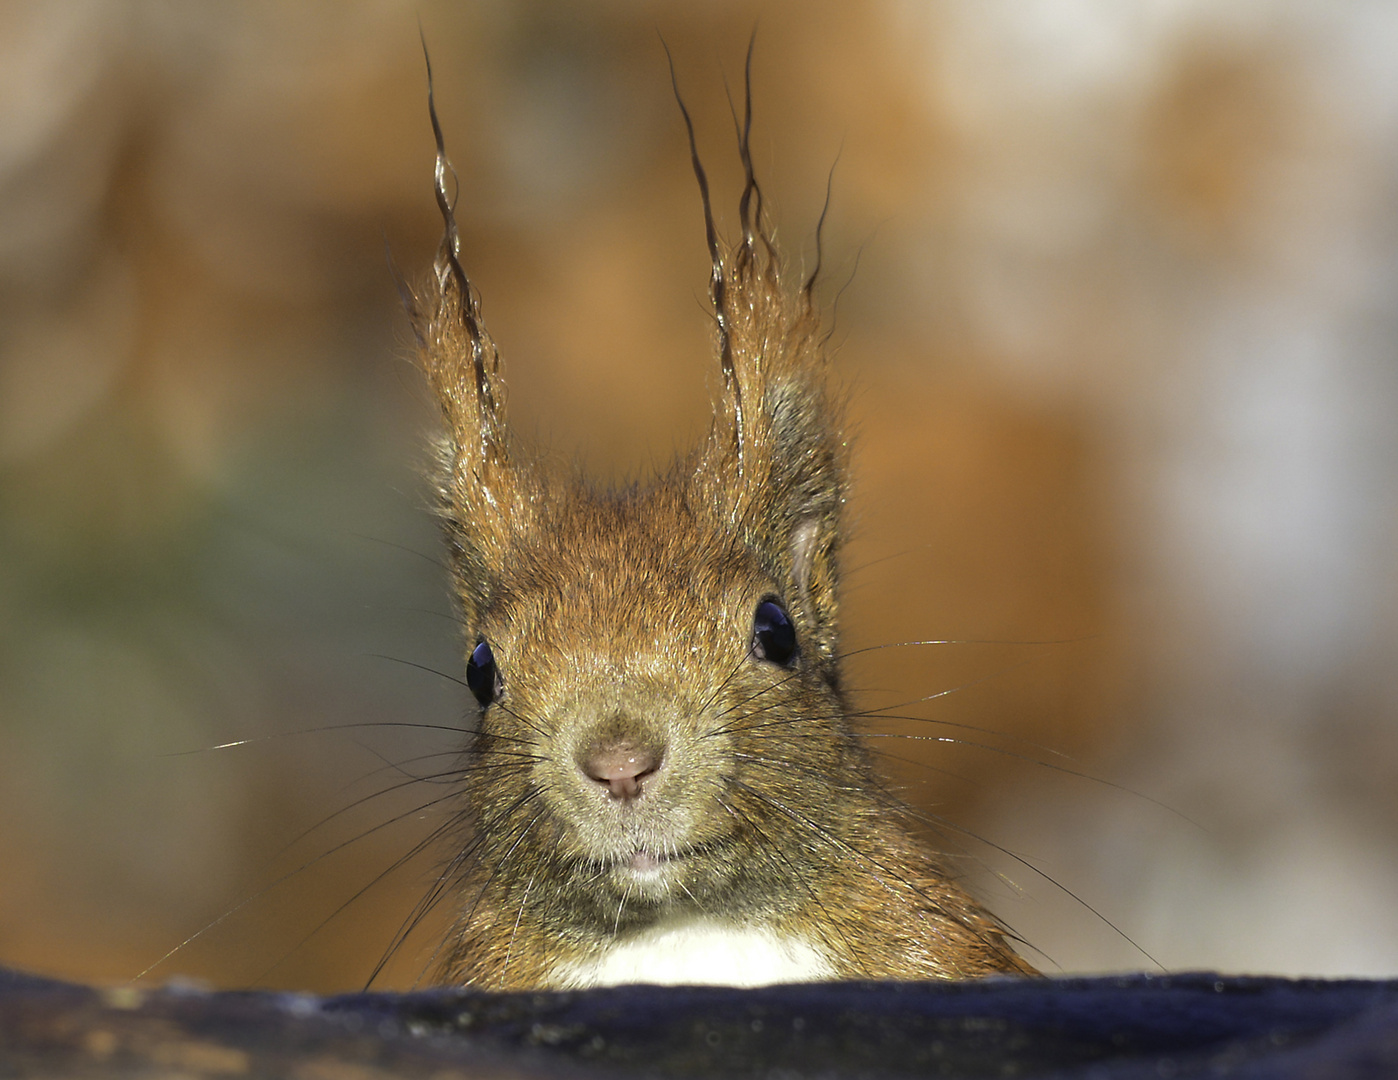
x,y
791,764
426,904
444,878
935,820
732,674
403,547
449,616
883,714
514,932
968,641
796,875
287,877
413,852
852,570
835,841
320,730
391,789
526,722
421,667
400,767
753,697
991,676
732,726
920,763
1035,761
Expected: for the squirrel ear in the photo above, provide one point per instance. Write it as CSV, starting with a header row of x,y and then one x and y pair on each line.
x,y
803,475
776,461
479,489
775,466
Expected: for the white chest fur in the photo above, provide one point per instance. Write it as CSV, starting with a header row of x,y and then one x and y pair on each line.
x,y
701,952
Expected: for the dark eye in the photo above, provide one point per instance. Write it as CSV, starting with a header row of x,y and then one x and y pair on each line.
x,y
481,675
773,636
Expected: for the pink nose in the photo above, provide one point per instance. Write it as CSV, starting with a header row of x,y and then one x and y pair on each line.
x,y
620,767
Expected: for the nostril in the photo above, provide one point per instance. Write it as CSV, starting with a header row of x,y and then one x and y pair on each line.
x,y
620,767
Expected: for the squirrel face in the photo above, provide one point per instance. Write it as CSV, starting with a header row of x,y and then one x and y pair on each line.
x,y
645,660
665,764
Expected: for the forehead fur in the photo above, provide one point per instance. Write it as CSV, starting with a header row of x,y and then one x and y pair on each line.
x,y
632,561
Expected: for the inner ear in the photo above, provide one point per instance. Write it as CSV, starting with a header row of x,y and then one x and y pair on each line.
x,y
804,540
813,544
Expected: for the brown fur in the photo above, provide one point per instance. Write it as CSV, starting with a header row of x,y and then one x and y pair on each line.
x,y
627,615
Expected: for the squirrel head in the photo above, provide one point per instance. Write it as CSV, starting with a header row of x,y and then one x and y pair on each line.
x,y
763,497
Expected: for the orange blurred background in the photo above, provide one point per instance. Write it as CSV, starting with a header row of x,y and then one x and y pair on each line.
x,y
1121,347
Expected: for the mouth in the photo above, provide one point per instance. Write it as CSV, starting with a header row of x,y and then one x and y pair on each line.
x,y
644,876
654,871
648,863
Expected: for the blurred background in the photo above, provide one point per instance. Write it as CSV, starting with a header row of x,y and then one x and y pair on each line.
x,y
1121,351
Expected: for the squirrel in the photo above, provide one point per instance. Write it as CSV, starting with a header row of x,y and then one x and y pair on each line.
x,y
666,784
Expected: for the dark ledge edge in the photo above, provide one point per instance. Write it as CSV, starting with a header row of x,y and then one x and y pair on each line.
x,y
1194,1024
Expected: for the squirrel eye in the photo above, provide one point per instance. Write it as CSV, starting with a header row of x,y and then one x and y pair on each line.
x,y
773,636
481,675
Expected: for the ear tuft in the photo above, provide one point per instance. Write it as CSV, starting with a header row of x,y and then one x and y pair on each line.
x,y
775,465
482,495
